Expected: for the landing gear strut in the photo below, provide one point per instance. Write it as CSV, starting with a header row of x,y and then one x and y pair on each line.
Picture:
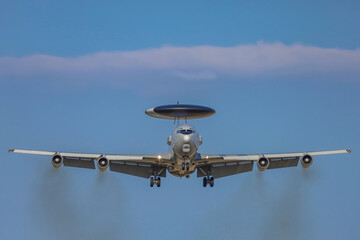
x,y
208,180
155,180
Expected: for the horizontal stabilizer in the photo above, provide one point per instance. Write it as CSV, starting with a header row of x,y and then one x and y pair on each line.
x,y
218,171
137,170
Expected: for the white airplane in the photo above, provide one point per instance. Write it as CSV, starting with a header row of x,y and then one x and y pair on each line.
x,y
184,158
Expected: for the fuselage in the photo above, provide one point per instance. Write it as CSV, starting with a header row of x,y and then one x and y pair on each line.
x,y
184,142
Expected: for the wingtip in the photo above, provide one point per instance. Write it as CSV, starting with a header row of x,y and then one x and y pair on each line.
x,y
11,150
348,150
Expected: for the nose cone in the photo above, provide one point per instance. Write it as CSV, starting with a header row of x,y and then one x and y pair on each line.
x,y
186,148
186,138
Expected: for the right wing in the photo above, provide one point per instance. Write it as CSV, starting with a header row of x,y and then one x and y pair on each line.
x,y
224,158
226,165
136,165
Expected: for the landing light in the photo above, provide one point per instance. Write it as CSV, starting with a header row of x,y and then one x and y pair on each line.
x,y
159,157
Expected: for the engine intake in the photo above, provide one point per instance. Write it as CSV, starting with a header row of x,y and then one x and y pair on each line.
x,y
306,161
57,160
102,163
263,163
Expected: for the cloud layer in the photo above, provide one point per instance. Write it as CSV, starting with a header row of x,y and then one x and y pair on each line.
x,y
256,61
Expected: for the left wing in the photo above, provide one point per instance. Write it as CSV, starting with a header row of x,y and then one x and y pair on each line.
x,y
226,165
137,165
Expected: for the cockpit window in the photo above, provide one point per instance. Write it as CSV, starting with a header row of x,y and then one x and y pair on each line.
x,y
185,131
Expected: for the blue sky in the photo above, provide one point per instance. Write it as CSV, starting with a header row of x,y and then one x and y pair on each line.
x,y
69,28
282,76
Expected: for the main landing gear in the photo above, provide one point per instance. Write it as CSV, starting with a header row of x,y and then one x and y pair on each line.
x,y
208,180
155,180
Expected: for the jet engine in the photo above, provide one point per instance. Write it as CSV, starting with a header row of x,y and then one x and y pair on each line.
x,y
102,163
306,161
263,163
57,160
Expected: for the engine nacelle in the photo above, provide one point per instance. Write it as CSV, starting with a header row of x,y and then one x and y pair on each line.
x,y
200,140
102,163
306,161
263,163
57,160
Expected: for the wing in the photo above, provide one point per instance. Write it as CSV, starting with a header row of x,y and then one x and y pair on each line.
x,y
226,165
136,165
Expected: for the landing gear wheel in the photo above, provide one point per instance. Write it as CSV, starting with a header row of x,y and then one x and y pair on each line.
x,y
151,182
158,182
205,182
211,182
183,167
187,166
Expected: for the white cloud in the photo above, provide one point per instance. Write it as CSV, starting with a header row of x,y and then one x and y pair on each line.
x,y
259,60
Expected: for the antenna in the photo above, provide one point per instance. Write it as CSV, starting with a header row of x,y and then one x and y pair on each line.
x,y
179,111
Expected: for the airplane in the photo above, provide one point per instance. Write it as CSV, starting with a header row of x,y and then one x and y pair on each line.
x,y
184,158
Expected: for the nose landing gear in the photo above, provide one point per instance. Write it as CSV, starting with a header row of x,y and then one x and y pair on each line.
x,y
208,180
186,164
